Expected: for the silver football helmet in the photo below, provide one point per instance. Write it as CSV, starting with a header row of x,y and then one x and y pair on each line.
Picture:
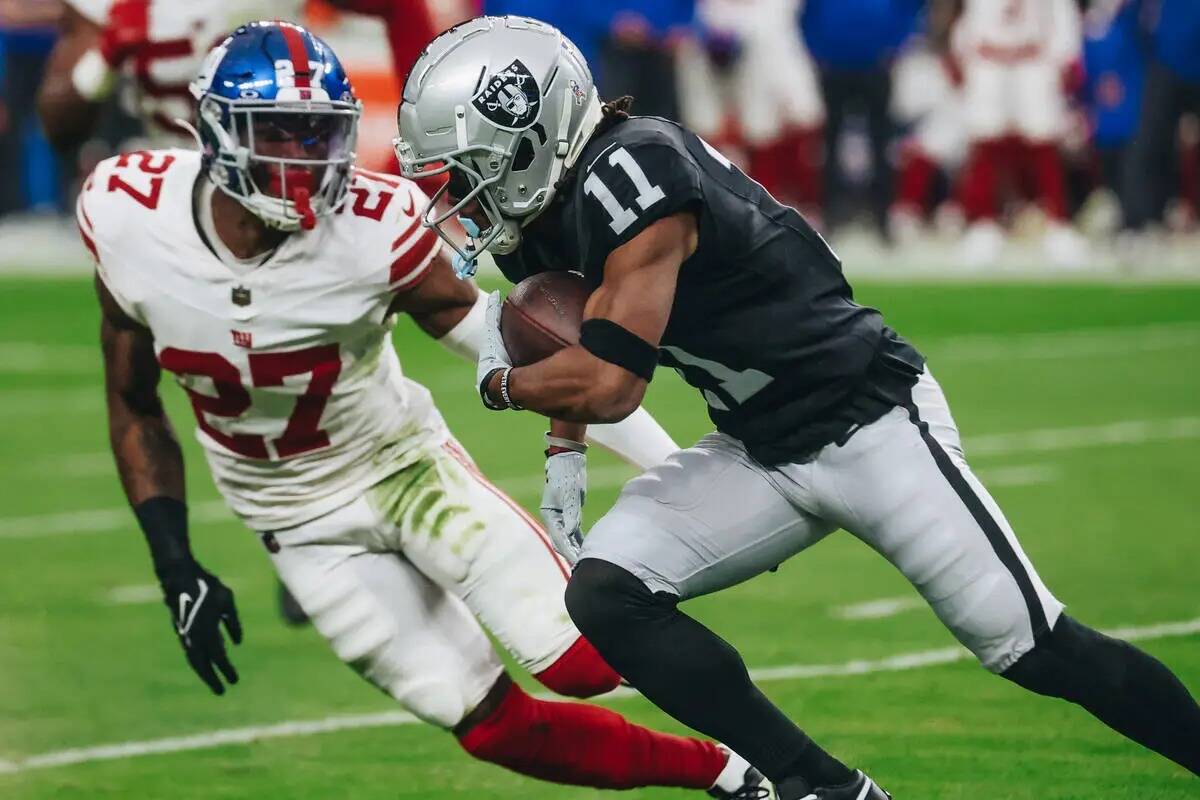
x,y
505,106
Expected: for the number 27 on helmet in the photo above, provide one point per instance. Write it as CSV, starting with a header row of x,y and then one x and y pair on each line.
x,y
278,123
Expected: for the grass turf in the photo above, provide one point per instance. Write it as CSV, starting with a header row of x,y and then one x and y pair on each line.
x,y
1112,529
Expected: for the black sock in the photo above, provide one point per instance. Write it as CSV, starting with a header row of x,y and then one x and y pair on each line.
x,y
1128,690
691,673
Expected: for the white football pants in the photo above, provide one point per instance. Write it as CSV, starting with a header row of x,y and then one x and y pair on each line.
x,y
711,517
396,579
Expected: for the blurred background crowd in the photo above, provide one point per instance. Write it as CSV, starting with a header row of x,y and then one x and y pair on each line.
x,y
1072,126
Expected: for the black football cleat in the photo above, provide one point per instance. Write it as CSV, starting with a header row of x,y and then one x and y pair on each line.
x,y
861,788
740,781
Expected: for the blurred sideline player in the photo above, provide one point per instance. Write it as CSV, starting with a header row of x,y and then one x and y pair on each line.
x,y
1114,63
1016,56
926,96
410,24
265,273
156,44
826,418
747,79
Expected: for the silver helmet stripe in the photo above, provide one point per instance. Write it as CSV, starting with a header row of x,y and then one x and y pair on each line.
x,y
460,127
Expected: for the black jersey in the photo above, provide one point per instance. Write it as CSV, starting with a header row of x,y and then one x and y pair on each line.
x,y
764,324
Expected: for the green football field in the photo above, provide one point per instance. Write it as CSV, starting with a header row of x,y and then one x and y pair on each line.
x,y
1080,409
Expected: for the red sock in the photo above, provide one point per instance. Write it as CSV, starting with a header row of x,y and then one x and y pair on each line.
x,y
916,176
977,190
1048,174
587,745
803,167
767,167
579,672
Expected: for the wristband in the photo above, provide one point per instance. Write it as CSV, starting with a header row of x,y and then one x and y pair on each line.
x,y
163,521
92,77
488,403
556,445
504,390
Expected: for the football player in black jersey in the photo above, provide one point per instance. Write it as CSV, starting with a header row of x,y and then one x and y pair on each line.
x,y
825,417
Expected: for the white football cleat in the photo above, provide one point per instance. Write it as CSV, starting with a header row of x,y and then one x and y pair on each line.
x,y
982,244
740,781
1065,247
905,224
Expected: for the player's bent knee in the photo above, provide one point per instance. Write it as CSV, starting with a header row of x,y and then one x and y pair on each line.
x,y
602,597
437,702
366,641
579,672
1069,661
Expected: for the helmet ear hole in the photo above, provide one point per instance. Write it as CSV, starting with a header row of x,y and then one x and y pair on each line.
x,y
524,155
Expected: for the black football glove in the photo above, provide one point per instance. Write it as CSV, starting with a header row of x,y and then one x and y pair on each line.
x,y
199,605
198,601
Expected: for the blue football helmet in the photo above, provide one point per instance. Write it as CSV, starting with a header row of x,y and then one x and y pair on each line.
x,y
278,123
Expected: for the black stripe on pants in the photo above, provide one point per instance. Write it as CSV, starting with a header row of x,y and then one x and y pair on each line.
x,y
1000,543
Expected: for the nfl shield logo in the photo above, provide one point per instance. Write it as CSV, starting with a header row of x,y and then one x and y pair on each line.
x,y
240,296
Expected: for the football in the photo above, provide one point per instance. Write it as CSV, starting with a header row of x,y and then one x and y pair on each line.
x,y
542,314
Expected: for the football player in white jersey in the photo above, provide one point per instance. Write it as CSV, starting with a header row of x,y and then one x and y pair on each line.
x,y
158,44
265,272
1016,58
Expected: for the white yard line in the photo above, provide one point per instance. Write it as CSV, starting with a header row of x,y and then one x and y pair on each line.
x,y
1044,440
1078,343
78,465
1129,432
1018,475
877,609
134,594
97,520
21,403
30,357
226,736
103,520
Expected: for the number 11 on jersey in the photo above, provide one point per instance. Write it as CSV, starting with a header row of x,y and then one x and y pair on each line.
x,y
647,196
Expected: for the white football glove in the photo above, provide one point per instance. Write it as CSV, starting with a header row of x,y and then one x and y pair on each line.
x,y
562,502
492,355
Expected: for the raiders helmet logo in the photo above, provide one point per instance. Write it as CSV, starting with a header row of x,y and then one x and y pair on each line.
x,y
510,98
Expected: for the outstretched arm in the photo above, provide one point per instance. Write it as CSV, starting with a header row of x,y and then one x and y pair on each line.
x,y
150,464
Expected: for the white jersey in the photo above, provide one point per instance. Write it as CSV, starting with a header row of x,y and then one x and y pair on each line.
x,y
299,398
181,32
1014,31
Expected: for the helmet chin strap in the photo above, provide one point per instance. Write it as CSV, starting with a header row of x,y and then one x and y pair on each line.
x,y
191,129
591,119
